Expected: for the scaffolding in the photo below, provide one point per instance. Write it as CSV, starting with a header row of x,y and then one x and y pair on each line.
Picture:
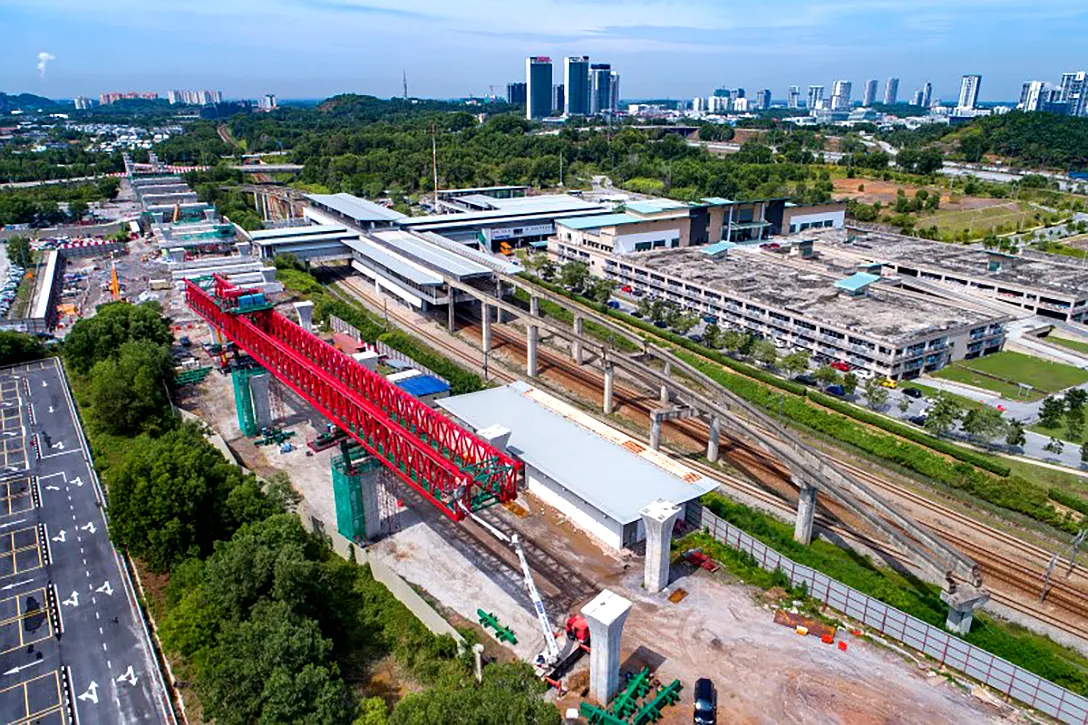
x,y
351,469
243,399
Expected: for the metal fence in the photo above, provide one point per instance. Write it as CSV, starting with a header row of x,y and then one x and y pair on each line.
x,y
381,348
953,652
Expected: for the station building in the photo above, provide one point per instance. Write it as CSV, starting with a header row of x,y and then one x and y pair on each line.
x,y
663,224
1043,284
856,318
597,477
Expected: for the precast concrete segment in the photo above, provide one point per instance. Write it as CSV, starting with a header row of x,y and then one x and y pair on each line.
x,y
259,393
658,517
605,614
806,511
713,439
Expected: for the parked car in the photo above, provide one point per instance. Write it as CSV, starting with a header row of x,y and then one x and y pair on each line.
x,y
660,323
626,288
841,366
695,337
706,703
912,393
836,390
710,319
918,420
862,373
613,304
889,383
805,379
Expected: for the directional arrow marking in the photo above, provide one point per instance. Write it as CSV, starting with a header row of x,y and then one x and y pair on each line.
x,y
89,526
15,670
60,537
50,408
105,588
52,488
91,693
72,601
15,584
58,446
77,481
129,676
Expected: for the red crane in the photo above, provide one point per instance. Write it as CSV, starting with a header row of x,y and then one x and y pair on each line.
x,y
445,463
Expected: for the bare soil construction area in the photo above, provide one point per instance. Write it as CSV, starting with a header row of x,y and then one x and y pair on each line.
x,y
886,191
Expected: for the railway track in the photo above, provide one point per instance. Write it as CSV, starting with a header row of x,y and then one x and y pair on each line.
x,y
1018,583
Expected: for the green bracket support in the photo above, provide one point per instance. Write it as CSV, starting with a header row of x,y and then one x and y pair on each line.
x,y
651,712
626,703
489,620
597,716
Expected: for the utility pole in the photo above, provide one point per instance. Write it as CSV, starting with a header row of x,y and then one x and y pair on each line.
x,y
404,74
434,164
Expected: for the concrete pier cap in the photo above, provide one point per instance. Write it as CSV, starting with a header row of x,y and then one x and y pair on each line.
x,y
605,614
305,312
658,517
962,601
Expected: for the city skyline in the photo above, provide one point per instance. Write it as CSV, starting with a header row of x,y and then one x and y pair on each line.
x,y
317,48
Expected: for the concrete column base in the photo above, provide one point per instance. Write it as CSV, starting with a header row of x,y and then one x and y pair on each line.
x,y
605,615
658,518
713,440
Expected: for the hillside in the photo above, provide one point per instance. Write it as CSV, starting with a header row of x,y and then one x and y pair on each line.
x,y
24,102
1029,139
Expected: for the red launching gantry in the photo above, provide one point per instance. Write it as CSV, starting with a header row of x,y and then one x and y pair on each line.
x,y
444,462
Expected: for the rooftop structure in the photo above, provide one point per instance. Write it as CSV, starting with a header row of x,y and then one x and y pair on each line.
x,y
579,465
1045,284
350,208
317,242
855,319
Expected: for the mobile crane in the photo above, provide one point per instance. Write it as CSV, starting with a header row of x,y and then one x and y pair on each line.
x,y
552,658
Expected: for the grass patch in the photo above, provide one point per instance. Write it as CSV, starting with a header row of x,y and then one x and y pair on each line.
x,y
931,392
983,219
1016,367
1074,345
1006,390
1035,653
1061,433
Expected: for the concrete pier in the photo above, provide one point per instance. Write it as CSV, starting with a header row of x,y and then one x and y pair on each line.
x,y
576,345
451,314
962,602
259,393
656,419
305,312
485,336
533,338
609,385
806,511
658,518
664,395
372,515
713,439
605,615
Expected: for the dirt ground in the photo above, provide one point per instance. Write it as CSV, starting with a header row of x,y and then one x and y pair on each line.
x,y
886,191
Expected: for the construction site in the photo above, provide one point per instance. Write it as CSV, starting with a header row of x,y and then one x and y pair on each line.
x,y
543,510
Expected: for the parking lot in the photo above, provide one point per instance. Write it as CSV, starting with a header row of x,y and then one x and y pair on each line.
x,y
73,646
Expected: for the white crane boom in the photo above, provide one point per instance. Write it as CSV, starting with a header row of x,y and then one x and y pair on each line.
x,y
551,654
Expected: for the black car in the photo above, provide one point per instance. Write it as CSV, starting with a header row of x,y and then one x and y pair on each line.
x,y
805,379
706,703
919,420
912,393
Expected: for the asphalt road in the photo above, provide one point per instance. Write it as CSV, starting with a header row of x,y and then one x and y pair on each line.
x,y
73,646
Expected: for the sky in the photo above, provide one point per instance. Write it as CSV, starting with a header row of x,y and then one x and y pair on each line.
x,y
661,48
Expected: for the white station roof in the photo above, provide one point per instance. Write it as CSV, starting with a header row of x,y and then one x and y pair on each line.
x,y
606,475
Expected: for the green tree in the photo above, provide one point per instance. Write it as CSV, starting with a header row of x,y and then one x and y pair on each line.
x,y
1055,446
1014,434
684,322
876,395
574,276
712,336
904,404
796,362
1074,421
275,667
1084,455
1075,398
169,498
1051,412
943,414
19,251
732,341
600,290
130,394
372,711
984,423
849,383
98,338
16,347
826,376
765,352
510,693
77,209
